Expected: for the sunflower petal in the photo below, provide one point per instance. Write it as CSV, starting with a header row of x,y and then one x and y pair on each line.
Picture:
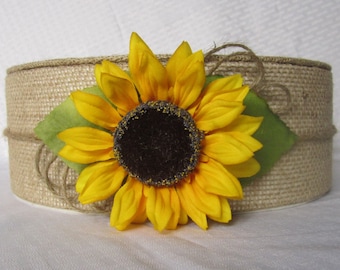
x,y
228,88
236,95
176,60
230,82
190,80
96,110
183,217
119,88
88,171
244,124
247,140
245,169
225,216
214,178
176,210
225,149
208,203
104,67
126,204
140,216
158,207
137,44
185,194
99,181
86,138
147,72
85,157
217,114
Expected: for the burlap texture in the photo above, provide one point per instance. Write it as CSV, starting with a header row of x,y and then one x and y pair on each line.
x,y
299,91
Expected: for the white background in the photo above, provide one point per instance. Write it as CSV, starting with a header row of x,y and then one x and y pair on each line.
x,y
304,237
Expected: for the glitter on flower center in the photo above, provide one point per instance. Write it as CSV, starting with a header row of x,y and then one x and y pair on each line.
x,y
158,143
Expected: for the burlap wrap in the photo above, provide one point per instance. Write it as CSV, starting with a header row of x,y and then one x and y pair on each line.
x,y
300,91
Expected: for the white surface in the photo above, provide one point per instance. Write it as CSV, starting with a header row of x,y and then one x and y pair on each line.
x,y
302,237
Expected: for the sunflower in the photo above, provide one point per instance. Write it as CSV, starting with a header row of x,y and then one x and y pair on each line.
x,y
167,147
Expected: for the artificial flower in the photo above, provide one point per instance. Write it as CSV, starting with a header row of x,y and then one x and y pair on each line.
x,y
167,147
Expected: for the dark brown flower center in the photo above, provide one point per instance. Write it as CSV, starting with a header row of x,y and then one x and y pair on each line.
x,y
158,143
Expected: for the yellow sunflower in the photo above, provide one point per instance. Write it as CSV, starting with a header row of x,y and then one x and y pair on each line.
x,y
166,148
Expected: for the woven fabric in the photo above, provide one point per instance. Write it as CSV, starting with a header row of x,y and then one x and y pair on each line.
x,y
299,91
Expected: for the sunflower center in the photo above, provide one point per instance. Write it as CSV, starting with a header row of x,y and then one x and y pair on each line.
x,y
158,143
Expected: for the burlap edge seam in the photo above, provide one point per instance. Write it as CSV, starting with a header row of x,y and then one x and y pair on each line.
x,y
163,57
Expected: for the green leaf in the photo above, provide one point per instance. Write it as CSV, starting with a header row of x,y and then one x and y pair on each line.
x,y
273,133
63,117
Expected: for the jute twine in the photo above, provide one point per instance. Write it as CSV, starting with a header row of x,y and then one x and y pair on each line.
x,y
298,90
